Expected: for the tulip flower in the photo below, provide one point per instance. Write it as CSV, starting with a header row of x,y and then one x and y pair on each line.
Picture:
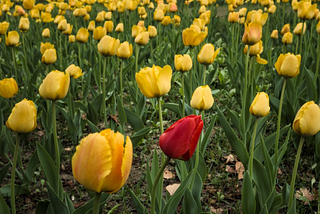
x,y
166,20
274,34
55,86
260,105
46,33
28,4
8,88
12,39
287,38
68,31
124,50
45,46
102,162
99,32
4,27
155,81
285,29
202,98
243,12
108,46
46,17
119,28
252,33
182,63
200,23
23,117
100,16
307,120
193,36
72,38
207,54
91,26
152,31
63,25
272,9
206,16
180,140
24,24
288,65
176,20
298,29
142,38
306,11
49,56
108,15
74,71
202,9
82,35
233,17
158,15
137,30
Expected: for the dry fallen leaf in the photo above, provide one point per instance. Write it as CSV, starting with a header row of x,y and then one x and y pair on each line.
x,y
167,174
230,158
217,211
304,192
279,171
172,188
239,169
230,169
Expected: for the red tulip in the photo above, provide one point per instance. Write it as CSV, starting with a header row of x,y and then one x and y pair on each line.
x,y
180,140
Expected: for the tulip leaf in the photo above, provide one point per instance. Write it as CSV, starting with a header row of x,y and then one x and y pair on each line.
x,y
68,118
92,113
86,208
206,138
134,120
4,171
176,197
139,135
235,119
4,209
312,92
57,205
247,200
121,113
141,106
181,169
267,161
69,203
189,205
86,86
172,107
32,166
197,189
261,179
19,190
42,207
92,127
137,203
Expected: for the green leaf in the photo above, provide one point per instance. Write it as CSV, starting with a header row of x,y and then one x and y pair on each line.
x,y
93,127
139,135
4,209
121,113
57,205
92,113
189,205
206,138
32,166
134,120
4,171
137,203
247,200
172,107
312,92
19,190
68,118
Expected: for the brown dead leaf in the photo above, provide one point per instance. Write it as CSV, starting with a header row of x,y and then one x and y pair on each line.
x,y
230,158
217,211
68,149
230,169
114,117
40,133
279,171
172,188
167,174
304,192
239,169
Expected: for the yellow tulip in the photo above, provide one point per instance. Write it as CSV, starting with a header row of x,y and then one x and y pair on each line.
x,y
45,46
108,25
176,20
102,162
298,29
287,38
307,120
193,36
46,17
8,88
131,5
124,50
274,34
200,23
55,86
35,13
152,31
120,6
254,49
100,16
24,24
108,15
158,15
99,32
137,30
288,65
4,27
207,54
285,29
272,9
202,9
252,33
119,28
46,33
260,105
206,16
108,46
58,18
142,38
243,12
182,63
257,16
74,71
49,56
141,10
166,20
91,25
28,4
318,27
82,35
72,38
202,98
39,7
86,17
306,11
68,31
12,39
63,25
23,117
233,17
155,81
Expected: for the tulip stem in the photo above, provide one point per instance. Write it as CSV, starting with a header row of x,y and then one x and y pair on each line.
x,y
300,51
14,65
79,55
204,75
121,86
56,145
279,121
182,91
104,93
297,45
318,53
96,203
160,115
252,148
13,175
294,173
137,57
154,188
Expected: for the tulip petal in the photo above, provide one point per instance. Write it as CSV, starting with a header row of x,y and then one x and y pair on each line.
x,y
127,161
289,64
309,122
164,80
188,36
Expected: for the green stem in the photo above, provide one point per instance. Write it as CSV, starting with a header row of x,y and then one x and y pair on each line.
x,y
300,51
283,12
96,203
79,55
60,52
121,86
297,45
318,53
137,57
13,175
14,65
252,148
55,138
160,114
182,85
104,92
294,173
154,188
279,122
204,75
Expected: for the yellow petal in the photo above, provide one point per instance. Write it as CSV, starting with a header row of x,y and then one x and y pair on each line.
x,y
164,80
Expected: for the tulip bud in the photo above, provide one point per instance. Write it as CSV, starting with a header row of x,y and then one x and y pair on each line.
x,y
82,35
176,20
45,46
12,39
152,31
24,24
46,33
124,50
108,15
119,28
252,33
233,17
307,120
108,46
182,63
180,140
274,34
74,71
260,105
28,4
202,98
99,32
287,38
285,29
108,25
202,9
4,27
155,81
272,9
100,16
8,88
49,56
102,161
142,38
158,15
166,20
91,26
288,65
192,36
72,38
63,25
298,29
207,54
68,31
23,117
55,86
